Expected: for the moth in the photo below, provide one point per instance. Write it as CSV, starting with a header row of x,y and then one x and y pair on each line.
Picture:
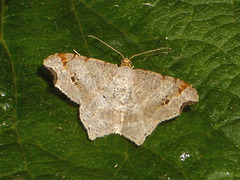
x,y
119,99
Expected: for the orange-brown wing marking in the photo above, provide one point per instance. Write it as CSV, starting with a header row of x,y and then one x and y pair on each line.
x,y
64,59
183,86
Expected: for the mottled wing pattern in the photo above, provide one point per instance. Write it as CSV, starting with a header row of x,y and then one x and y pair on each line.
x,y
62,79
155,98
118,99
90,83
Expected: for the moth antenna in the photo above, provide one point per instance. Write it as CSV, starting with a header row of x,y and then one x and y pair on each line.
x,y
146,52
107,45
165,52
76,52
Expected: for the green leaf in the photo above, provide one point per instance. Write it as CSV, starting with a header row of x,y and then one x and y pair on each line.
x,y
41,136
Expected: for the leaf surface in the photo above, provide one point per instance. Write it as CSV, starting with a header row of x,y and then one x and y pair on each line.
x,y
40,133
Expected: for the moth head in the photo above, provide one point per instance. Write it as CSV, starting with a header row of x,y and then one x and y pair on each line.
x,y
126,62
